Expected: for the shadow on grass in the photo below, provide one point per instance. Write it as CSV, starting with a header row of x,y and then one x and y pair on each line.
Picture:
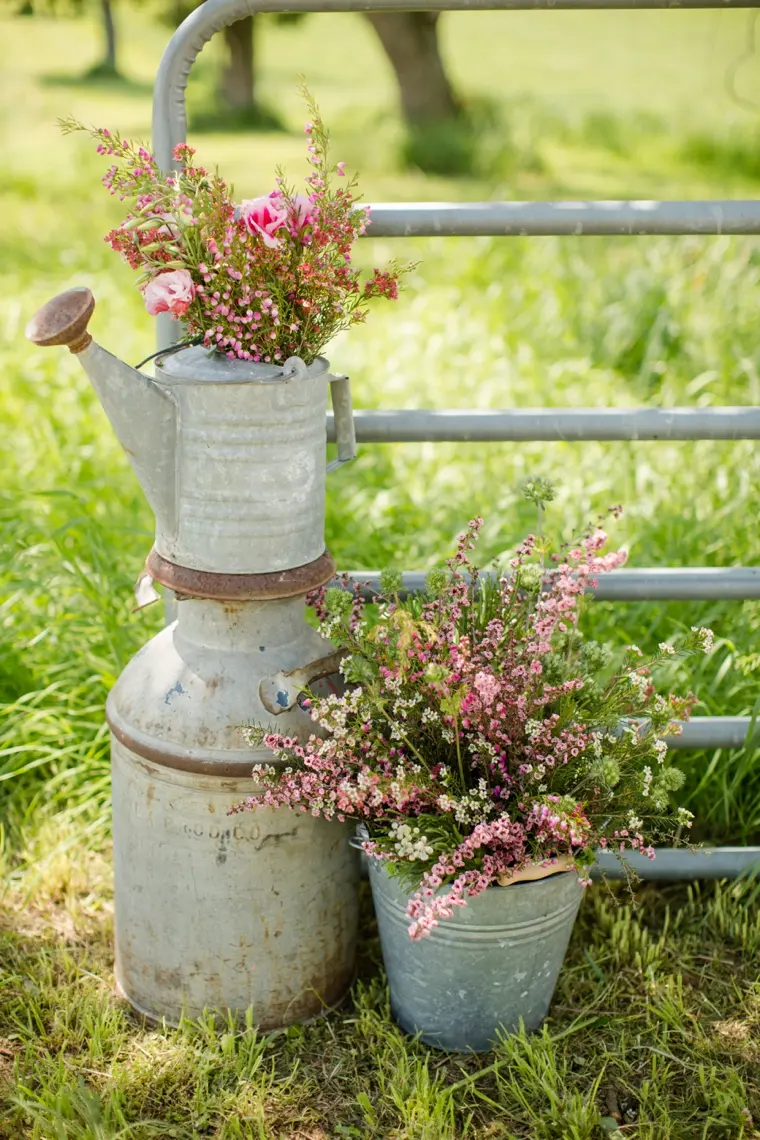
x,y
99,78
480,142
216,119
736,152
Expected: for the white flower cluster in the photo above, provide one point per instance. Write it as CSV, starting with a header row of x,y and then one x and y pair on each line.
x,y
666,648
430,716
402,705
634,823
684,816
705,637
409,843
660,748
533,728
476,806
638,682
647,780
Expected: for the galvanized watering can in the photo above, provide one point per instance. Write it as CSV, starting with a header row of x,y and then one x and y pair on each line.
x,y
250,912
230,454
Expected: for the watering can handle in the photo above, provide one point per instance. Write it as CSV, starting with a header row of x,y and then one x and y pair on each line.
x,y
345,432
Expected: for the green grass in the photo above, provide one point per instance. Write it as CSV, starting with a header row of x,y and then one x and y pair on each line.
x,y
655,1028
572,105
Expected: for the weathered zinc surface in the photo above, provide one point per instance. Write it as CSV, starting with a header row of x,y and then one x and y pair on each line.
x,y
493,961
231,455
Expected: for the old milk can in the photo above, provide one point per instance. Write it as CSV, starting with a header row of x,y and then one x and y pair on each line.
x,y
257,911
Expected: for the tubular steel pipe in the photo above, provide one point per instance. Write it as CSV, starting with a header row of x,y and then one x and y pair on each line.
x,y
574,219
672,864
552,424
679,584
713,732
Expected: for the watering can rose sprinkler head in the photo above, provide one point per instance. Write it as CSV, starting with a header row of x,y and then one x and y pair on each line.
x,y
63,320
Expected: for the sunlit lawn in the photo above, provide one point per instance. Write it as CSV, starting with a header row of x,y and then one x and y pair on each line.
x,y
582,105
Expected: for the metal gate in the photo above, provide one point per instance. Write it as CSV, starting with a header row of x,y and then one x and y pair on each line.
x,y
512,219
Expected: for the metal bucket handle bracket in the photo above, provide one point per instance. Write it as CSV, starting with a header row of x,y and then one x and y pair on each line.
x,y
345,431
340,388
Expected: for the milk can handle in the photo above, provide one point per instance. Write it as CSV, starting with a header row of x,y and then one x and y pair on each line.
x,y
345,433
280,693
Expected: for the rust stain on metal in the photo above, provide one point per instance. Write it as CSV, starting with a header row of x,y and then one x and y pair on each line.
x,y
240,587
63,320
179,761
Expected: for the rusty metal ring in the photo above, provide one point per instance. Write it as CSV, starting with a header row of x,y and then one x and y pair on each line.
x,y
189,583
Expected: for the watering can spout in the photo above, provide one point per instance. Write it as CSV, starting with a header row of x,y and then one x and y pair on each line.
x,y
142,414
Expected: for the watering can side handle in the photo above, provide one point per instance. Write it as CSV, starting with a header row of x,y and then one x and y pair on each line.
x,y
345,431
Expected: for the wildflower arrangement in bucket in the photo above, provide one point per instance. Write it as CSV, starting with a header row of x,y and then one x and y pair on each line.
x,y
482,739
261,280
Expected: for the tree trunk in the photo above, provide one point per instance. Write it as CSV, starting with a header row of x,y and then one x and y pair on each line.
x,y
410,40
237,86
109,59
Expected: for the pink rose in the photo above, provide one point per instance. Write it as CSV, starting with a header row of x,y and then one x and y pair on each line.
x,y
170,292
302,209
265,216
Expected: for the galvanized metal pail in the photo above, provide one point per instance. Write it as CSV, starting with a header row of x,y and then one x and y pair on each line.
x,y
494,963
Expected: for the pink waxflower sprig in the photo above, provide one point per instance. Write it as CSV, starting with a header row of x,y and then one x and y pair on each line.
x,y
260,280
481,731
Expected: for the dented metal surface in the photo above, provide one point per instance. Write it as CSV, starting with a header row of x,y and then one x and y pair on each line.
x,y
493,963
231,456
257,910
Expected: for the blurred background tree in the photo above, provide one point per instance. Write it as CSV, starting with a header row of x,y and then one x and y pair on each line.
x,y
432,111
440,134
107,67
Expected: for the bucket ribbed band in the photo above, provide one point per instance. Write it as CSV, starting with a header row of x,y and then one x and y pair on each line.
x,y
511,934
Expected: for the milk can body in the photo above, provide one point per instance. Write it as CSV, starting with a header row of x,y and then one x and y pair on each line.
x,y
256,910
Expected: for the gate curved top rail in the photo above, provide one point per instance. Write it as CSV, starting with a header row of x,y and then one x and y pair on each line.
x,y
169,120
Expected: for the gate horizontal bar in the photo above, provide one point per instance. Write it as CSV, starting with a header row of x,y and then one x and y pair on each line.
x,y
577,219
552,424
678,863
672,864
679,584
712,732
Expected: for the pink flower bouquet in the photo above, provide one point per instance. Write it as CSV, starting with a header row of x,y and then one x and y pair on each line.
x,y
482,736
264,280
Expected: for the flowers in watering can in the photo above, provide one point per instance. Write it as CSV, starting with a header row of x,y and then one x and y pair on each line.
x,y
482,733
264,280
